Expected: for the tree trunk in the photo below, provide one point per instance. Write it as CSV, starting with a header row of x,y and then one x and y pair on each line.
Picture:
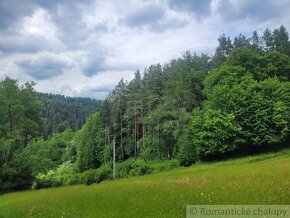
x,y
135,135
108,135
122,147
159,147
168,154
10,118
143,137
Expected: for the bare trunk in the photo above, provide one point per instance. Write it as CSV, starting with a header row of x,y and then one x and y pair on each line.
x,y
168,154
122,149
6,155
143,136
105,137
135,136
108,135
159,147
10,118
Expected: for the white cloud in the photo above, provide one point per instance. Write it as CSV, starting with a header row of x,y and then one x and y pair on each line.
x,y
83,48
40,24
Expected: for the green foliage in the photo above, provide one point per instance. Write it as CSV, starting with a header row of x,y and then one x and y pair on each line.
x,y
226,74
89,147
241,42
262,66
140,167
60,112
15,175
19,123
243,109
276,64
187,151
223,50
214,133
277,40
43,155
108,153
133,167
66,174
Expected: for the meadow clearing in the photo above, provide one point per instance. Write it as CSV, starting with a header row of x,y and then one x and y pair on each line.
x,y
261,179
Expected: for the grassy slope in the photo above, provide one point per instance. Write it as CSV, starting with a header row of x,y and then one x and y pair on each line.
x,y
263,179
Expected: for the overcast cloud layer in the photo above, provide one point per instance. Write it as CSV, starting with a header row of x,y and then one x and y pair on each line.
x,y
83,48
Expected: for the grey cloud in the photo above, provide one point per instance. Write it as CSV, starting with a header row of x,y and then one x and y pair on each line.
x,y
102,60
254,9
101,89
43,66
146,16
97,64
19,45
71,27
53,4
94,63
153,18
12,42
168,24
95,93
200,8
101,28
66,14
12,11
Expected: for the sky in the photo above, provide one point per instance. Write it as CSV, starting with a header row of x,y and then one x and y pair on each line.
x,y
83,48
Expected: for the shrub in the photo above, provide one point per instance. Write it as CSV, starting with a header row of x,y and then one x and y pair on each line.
x,y
165,165
133,168
123,169
65,175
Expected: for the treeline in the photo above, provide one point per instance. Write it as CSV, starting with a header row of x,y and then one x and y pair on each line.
x,y
26,119
61,112
30,160
20,123
200,107
196,107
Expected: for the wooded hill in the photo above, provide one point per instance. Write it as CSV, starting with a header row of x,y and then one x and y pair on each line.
x,y
194,108
62,112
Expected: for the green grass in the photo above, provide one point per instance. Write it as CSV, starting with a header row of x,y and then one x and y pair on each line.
x,y
261,179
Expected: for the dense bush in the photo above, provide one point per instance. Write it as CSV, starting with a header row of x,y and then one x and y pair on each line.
x,y
159,166
141,167
89,144
66,174
186,154
214,133
133,167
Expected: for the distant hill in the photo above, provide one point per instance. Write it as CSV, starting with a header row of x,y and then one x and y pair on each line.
x,y
60,112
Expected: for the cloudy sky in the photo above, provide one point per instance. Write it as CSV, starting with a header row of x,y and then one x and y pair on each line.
x,y
83,48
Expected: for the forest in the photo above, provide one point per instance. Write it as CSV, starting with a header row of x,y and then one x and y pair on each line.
x,y
62,112
195,108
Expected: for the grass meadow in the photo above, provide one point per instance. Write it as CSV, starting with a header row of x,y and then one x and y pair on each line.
x,y
260,179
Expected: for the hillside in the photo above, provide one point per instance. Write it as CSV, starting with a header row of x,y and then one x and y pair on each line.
x,y
194,108
61,112
261,179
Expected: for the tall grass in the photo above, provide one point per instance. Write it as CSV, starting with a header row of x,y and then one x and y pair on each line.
x,y
262,179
